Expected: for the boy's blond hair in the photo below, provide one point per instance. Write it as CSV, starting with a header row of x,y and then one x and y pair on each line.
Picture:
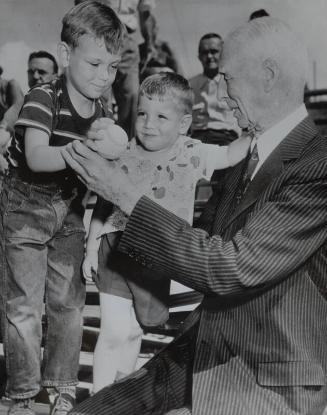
x,y
169,85
95,19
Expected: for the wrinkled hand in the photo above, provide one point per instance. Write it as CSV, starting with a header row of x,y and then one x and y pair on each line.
x,y
107,138
90,264
102,176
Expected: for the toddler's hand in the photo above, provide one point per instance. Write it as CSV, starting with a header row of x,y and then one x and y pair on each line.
x,y
107,139
238,149
90,264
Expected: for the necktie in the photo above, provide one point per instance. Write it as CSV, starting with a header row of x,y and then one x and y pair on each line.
x,y
251,164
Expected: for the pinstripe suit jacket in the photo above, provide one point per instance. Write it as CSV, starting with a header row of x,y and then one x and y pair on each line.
x,y
262,339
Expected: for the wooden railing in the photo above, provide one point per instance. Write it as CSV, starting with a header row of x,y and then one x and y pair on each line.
x,y
316,103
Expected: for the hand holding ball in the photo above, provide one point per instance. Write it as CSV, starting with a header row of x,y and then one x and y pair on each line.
x,y
107,139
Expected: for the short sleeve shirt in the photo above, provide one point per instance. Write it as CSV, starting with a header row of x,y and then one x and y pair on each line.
x,y
167,178
48,108
209,110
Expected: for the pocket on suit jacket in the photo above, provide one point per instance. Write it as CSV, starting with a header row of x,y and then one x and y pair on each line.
x,y
298,373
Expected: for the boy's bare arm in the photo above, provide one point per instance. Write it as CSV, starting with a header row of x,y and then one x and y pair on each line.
x,y
238,149
40,156
222,157
100,213
215,157
90,264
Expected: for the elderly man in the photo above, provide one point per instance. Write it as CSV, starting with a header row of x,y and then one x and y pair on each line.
x,y
257,344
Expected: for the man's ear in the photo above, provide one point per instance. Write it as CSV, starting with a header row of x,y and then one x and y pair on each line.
x,y
271,73
185,124
64,52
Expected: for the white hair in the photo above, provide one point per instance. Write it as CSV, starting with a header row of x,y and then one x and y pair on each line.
x,y
268,37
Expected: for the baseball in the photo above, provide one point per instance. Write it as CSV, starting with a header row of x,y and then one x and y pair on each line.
x,y
110,140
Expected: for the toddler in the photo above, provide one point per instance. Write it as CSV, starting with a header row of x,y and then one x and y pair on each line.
x,y
165,165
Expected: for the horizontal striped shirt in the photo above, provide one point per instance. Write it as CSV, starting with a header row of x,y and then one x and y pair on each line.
x,y
48,108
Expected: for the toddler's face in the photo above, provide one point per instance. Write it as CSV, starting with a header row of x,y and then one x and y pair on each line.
x,y
90,68
159,123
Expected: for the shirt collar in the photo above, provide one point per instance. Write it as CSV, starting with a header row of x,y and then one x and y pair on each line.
x,y
216,78
270,139
205,80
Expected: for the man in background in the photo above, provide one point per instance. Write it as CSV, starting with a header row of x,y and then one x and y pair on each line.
x,y
213,121
42,67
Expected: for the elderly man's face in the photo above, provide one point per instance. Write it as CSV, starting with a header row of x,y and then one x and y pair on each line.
x,y
242,85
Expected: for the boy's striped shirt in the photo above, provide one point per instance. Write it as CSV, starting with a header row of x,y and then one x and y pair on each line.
x,y
47,107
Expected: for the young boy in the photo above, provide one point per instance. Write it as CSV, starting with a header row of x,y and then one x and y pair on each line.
x,y
166,165
42,232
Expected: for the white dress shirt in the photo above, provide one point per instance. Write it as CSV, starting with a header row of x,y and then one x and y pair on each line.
x,y
269,140
210,109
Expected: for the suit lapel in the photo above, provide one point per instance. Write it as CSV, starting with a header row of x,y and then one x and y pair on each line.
x,y
225,204
290,148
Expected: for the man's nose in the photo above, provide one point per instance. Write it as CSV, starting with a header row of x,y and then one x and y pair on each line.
x,y
36,75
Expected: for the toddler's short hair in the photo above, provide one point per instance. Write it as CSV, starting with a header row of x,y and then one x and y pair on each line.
x,y
95,19
169,85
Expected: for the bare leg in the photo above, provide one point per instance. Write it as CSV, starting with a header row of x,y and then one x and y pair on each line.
x,y
131,350
162,384
118,343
